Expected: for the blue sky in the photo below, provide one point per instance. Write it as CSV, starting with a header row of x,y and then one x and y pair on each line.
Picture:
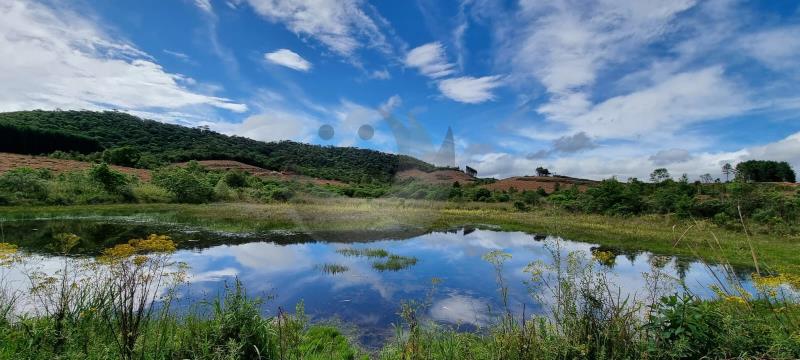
x,y
586,88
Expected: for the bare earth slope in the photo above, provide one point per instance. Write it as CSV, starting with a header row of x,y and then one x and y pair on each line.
x,y
535,182
439,177
10,161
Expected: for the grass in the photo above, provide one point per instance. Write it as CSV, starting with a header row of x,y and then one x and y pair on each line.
x,y
373,253
333,269
394,263
659,234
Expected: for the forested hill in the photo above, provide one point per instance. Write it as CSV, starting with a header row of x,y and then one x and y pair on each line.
x,y
148,143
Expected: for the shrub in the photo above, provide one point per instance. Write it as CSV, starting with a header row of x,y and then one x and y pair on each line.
x,y
482,195
274,192
222,191
502,197
113,181
122,156
186,184
24,185
150,193
530,197
235,179
684,327
79,188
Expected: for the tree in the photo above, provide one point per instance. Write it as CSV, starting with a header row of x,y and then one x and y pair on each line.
x,y
122,156
482,195
765,171
659,175
540,171
112,181
727,170
706,178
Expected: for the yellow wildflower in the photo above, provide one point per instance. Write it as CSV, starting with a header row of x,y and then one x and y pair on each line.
x,y
604,257
153,243
6,250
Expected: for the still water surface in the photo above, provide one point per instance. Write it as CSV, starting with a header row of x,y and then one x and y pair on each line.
x,y
287,268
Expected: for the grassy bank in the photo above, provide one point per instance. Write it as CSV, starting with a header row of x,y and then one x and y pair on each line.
x,y
655,233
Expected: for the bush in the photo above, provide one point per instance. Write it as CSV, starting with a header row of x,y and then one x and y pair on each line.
x,y
24,185
79,188
482,195
150,193
502,197
187,185
683,327
275,192
122,156
114,182
235,179
530,197
222,191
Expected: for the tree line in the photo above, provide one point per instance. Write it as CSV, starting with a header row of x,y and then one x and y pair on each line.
x,y
127,140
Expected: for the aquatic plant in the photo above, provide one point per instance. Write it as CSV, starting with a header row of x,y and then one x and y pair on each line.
x,y
394,263
333,269
368,252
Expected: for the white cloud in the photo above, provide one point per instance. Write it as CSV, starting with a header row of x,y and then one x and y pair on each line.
x,y
342,26
460,309
391,103
273,125
573,143
670,156
178,54
380,74
430,60
470,90
564,45
680,100
777,48
626,161
288,58
58,59
204,5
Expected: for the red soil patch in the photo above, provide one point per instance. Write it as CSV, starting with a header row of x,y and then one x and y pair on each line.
x,y
522,183
224,165
438,177
11,161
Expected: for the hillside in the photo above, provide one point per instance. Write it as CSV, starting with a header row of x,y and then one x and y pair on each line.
x,y
11,161
225,165
438,177
158,144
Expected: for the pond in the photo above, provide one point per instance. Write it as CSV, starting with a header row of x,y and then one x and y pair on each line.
x,y
361,279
